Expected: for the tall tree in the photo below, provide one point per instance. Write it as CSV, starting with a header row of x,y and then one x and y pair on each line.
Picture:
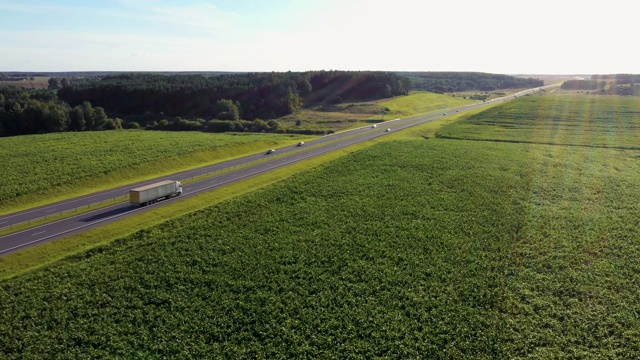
x,y
226,110
100,118
76,119
58,117
87,112
53,83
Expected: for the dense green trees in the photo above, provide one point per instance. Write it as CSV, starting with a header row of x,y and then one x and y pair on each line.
x,y
616,84
41,112
443,82
248,96
214,101
618,78
583,85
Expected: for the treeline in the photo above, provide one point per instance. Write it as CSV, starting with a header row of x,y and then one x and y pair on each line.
x,y
618,78
40,112
230,97
617,84
215,102
446,82
583,85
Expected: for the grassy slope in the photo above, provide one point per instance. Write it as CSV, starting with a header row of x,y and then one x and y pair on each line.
x,y
348,116
421,102
409,248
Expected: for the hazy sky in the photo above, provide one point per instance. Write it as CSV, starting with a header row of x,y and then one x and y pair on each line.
x,y
496,36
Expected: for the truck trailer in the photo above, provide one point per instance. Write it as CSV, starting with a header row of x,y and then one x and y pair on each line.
x,y
151,193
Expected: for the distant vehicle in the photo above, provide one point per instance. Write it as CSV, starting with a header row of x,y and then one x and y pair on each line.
x,y
444,114
457,110
300,143
151,193
388,130
374,126
270,151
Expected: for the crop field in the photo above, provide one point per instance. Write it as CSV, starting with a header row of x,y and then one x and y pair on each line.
x,y
411,248
35,83
58,162
608,121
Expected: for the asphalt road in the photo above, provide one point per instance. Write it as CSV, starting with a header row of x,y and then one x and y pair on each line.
x,y
236,170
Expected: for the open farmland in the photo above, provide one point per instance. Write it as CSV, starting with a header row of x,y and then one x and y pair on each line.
x,y
602,121
29,83
439,248
66,164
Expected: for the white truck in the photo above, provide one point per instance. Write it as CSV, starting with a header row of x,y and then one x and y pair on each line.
x,y
151,193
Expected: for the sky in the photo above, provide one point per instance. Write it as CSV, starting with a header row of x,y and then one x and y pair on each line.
x,y
493,36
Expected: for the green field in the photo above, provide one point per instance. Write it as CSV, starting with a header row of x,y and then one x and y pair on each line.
x,y
607,121
411,248
44,168
353,115
65,165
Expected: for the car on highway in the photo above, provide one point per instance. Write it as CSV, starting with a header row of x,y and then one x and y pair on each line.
x,y
270,151
388,130
300,143
374,126
444,114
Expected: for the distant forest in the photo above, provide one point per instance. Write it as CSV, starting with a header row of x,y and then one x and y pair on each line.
x,y
255,95
447,82
619,78
215,102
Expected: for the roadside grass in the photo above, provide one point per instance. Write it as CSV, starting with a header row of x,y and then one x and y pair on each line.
x,y
422,102
61,166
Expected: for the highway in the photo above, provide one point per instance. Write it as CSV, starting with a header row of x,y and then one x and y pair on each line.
x,y
230,172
